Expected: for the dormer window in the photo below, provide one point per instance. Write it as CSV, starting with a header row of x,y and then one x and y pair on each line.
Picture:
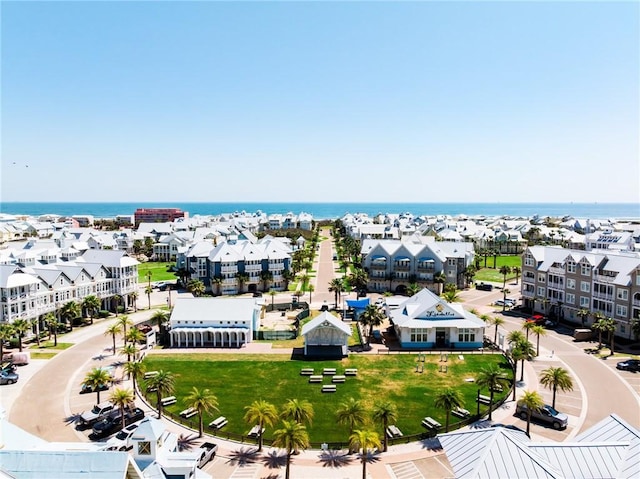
x,y
144,448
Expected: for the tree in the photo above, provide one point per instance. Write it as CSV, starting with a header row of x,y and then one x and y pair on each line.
x,y
160,318
533,402
266,277
69,312
440,278
148,290
538,330
351,413
217,280
413,289
497,321
493,379
6,333
298,411
517,270
364,440
53,324
504,271
135,336
122,399
505,292
242,278
130,350
124,321
113,330
20,327
599,325
528,353
516,356
609,325
117,299
272,293
135,370
554,379
371,317
310,290
263,414
583,314
97,379
336,286
450,295
515,336
528,327
292,436
163,383
91,305
196,287
134,297
447,400
202,400
35,323
635,328
385,411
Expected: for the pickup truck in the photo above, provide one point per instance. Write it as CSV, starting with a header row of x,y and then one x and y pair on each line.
x,y
89,418
207,452
113,422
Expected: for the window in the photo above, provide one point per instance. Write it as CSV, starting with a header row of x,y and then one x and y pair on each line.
x,y
584,301
585,269
452,262
144,448
585,287
621,311
571,298
541,278
571,267
466,335
528,260
623,294
571,283
541,292
419,335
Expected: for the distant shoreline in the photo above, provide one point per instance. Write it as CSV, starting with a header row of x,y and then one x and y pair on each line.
x,y
332,210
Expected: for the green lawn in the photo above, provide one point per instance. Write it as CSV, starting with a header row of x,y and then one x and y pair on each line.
x,y
491,274
49,345
39,355
237,380
159,272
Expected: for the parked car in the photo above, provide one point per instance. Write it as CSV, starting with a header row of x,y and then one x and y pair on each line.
x,y
161,285
537,319
629,365
98,412
8,377
484,287
86,388
508,303
144,328
377,335
120,442
207,452
113,422
546,415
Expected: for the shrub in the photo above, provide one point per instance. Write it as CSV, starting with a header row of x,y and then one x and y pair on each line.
x,y
103,313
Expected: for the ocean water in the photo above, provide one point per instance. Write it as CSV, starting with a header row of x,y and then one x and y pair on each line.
x,y
336,210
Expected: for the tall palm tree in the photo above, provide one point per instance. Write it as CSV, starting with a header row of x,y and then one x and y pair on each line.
x,y
53,324
447,400
262,413
504,271
124,321
20,327
297,410
351,413
310,289
515,336
196,287
266,277
135,370
599,325
35,323
492,378
113,330
528,327
134,299
538,330
533,402
6,333
497,321
130,350
135,336
69,312
91,304
272,293
202,400
160,317
554,379
583,314
385,411
364,440
517,270
96,379
242,279
336,286
371,316
164,384
527,354
117,299
217,280
148,290
292,436
122,399
610,328
505,292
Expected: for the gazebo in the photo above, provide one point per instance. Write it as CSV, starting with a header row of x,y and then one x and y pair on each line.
x,y
326,336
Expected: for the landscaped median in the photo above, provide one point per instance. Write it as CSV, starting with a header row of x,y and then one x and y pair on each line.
x,y
47,349
238,380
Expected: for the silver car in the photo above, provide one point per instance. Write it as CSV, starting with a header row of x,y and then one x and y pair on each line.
x,y
546,414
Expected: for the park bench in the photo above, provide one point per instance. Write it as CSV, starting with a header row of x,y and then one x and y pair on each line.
x,y
306,371
189,412
255,430
329,388
169,400
150,374
483,399
329,371
315,379
431,423
350,372
497,388
338,379
461,413
393,431
218,423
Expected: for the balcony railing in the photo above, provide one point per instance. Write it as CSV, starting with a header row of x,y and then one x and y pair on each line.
x,y
378,266
528,294
636,302
401,266
604,296
253,267
229,269
601,278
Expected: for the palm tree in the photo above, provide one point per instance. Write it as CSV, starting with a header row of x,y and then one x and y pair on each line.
x,y
336,285
493,379
497,321
298,411
135,336
600,326
583,313
371,316
20,327
528,353
124,321
242,278
440,278
504,271
528,327
310,289
129,350
450,295
554,379
133,296
635,328
164,384
533,402
266,277
517,270
385,411
135,370
516,356
364,440
272,293
69,312
263,413
91,305
117,299
196,287
35,323
96,379
160,317
292,436
202,400
6,333
448,400
505,292
413,289
148,290
515,336
53,324
538,330
217,280
610,328
351,413
113,330
122,399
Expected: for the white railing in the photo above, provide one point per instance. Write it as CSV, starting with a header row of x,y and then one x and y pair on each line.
x,y
606,297
558,271
603,279
229,269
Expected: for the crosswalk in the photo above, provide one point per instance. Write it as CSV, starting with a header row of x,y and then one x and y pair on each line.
x,y
247,471
405,470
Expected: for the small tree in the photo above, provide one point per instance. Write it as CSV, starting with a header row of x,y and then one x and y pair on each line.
x,y
554,379
19,328
292,436
364,440
97,379
113,330
533,402
263,413
385,411
202,400
122,399
492,378
447,400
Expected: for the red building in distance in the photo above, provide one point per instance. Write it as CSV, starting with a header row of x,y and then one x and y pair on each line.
x,y
158,215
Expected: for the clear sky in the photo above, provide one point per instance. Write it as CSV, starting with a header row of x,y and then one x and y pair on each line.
x,y
324,101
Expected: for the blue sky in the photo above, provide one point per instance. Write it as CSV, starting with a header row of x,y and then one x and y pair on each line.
x,y
320,101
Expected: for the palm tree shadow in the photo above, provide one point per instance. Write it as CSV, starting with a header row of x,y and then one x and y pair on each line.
x,y
73,419
275,459
482,424
186,443
335,458
243,456
432,444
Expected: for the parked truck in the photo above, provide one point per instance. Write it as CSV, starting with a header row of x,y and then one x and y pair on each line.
x,y
582,334
207,451
99,411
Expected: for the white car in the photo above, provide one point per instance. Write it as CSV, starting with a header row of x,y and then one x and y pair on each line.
x,y
120,442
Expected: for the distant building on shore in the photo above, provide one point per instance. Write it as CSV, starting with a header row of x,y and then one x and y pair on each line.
x,y
158,215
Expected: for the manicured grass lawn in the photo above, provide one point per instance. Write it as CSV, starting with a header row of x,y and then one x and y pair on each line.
x,y
237,380
158,272
49,345
490,274
39,355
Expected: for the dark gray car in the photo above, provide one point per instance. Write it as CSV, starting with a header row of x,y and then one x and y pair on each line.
x,y
546,415
7,377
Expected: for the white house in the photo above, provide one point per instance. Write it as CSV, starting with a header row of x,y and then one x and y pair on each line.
x,y
326,335
427,321
214,322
